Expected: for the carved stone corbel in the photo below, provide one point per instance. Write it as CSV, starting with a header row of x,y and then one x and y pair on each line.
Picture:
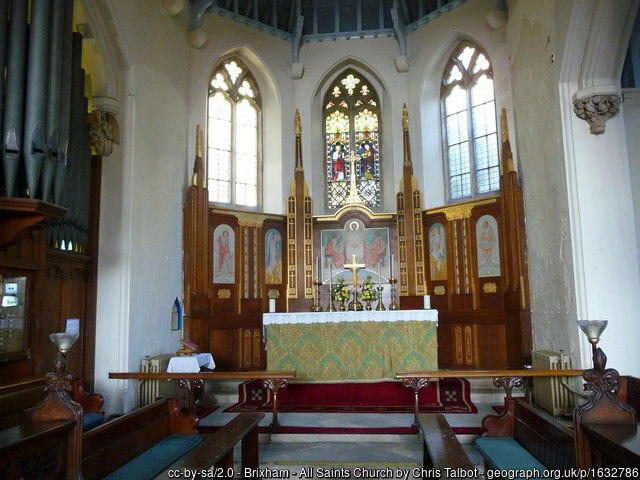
x,y
104,131
597,109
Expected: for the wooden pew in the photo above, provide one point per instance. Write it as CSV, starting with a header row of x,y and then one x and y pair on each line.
x,y
606,427
24,446
118,442
505,379
630,391
152,440
441,448
19,396
527,436
46,440
217,449
191,385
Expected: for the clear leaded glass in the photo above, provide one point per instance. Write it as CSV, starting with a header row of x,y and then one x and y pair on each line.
x,y
352,127
468,105
233,132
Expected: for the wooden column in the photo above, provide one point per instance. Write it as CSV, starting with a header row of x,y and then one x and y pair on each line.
x,y
411,262
196,270
516,274
299,233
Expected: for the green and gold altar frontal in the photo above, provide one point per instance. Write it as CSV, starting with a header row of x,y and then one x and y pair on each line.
x,y
327,346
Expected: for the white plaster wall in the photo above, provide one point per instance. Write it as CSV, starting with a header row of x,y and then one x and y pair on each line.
x,y
603,230
429,49
631,112
532,39
607,239
269,59
375,59
140,257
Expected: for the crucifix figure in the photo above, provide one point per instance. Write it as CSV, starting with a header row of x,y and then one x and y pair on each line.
x,y
354,267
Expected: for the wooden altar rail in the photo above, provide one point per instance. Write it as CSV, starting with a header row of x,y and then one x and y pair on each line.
x,y
191,385
506,379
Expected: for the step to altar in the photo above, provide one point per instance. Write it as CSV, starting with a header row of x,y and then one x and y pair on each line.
x,y
225,392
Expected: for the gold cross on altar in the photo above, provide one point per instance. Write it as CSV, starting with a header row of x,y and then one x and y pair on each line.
x,y
354,267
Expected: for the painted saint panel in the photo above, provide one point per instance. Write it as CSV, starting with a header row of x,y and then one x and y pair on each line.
x,y
438,252
224,252
488,247
370,246
273,256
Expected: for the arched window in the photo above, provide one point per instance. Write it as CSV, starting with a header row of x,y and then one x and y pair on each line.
x,y
470,134
351,117
234,134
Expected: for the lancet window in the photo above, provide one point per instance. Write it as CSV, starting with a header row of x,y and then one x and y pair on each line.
x,y
469,118
351,115
234,136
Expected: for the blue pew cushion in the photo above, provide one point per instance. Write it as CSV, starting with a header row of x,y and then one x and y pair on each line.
x,y
505,453
155,460
91,420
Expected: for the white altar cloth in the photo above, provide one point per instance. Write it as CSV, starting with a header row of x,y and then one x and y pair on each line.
x,y
362,316
190,363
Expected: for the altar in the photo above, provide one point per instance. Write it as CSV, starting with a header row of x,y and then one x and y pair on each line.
x,y
328,346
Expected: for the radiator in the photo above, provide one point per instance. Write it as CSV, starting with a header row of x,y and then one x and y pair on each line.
x,y
550,393
151,389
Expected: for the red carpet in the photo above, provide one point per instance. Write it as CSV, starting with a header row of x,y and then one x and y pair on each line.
x,y
450,395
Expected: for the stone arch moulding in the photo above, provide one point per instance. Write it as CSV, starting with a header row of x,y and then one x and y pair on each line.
x,y
272,154
107,57
350,62
598,97
110,57
258,67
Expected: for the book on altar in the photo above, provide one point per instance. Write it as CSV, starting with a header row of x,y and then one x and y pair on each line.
x,y
188,348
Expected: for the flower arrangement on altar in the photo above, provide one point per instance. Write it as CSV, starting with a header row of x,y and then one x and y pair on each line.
x,y
340,291
368,292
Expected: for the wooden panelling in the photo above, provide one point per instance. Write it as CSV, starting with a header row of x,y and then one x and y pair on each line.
x,y
237,348
58,291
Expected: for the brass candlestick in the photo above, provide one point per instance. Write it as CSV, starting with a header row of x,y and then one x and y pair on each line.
x,y
380,305
316,307
393,305
331,307
355,305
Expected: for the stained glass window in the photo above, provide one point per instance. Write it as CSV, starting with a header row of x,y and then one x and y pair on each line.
x,y
469,114
233,136
352,128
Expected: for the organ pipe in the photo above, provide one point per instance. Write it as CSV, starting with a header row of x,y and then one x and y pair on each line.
x,y
36,103
53,99
4,28
45,150
14,95
65,102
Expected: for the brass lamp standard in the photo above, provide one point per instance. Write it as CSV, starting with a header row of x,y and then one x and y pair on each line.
x,y
593,329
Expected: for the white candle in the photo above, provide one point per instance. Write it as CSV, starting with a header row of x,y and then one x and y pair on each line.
x,y
391,267
330,275
427,302
272,305
378,273
317,268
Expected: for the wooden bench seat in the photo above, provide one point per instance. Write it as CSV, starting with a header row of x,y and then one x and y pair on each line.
x,y
156,432
217,449
441,448
526,437
147,442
